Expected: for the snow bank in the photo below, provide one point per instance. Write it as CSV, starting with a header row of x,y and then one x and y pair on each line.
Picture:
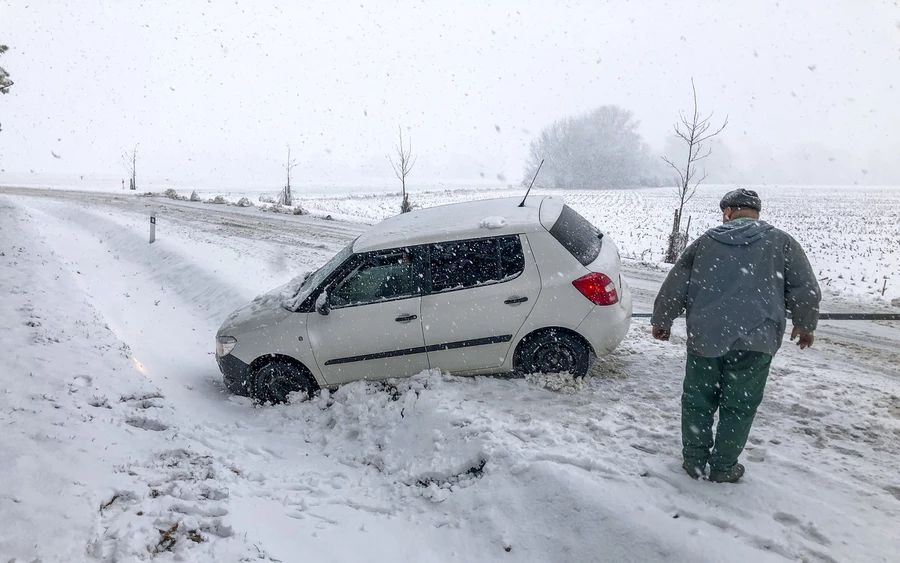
x,y
494,472
363,422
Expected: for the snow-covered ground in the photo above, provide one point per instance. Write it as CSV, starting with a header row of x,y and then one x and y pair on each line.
x,y
120,443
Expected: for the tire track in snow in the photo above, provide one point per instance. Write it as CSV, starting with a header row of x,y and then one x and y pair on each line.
x,y
220,221
81,428
207,294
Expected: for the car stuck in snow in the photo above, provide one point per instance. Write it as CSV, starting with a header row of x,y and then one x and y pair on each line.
x,y
474,288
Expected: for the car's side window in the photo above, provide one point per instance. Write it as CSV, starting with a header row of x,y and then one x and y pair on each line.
x,y
470,263
512,259
381,276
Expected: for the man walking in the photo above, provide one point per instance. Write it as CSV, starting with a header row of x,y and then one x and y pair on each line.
x,y
736,282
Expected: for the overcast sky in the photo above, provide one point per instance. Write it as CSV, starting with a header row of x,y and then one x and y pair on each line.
x,y
214,90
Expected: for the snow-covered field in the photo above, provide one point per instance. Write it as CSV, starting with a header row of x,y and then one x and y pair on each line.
x,y
120,443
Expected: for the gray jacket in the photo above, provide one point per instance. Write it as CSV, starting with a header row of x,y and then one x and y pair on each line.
x,y
736,281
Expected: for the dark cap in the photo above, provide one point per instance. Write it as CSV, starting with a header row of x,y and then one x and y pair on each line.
x,y
747,199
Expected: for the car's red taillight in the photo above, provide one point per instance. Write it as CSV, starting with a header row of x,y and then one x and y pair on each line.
x,y
598,288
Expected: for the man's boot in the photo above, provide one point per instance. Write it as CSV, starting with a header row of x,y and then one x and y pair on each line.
x,y
694,471
729,476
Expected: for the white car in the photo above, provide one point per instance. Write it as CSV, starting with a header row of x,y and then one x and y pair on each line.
x,y
476,288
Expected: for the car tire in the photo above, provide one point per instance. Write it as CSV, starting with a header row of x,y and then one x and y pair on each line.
x,y
552,351
275,381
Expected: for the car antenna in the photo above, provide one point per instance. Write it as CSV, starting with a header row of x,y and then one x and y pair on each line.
x,y
532,183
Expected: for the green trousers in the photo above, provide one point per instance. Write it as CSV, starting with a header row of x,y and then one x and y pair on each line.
x,y
733,384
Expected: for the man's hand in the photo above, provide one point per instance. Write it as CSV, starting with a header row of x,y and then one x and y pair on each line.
x,y
806,339
661,333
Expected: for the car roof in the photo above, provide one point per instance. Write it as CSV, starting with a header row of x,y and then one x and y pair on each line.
x,y
461,221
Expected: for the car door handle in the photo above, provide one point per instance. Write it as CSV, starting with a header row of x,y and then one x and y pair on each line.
x,y
515,300
406,318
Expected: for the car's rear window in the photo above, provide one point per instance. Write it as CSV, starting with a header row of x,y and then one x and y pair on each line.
x,y
577,235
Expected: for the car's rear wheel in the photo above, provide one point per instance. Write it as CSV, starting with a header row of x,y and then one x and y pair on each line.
x,y
552,351
276,380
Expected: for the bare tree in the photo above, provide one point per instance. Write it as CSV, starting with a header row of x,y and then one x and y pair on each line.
x,y
129,159
5,82
693,131
286,197
402,166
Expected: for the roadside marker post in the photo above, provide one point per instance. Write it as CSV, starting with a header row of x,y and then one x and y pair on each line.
x,y
152,227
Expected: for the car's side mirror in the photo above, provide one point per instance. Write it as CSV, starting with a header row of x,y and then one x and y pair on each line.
x,y
322,305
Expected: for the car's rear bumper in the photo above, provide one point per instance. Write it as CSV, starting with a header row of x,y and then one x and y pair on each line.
x,y
606,326
235,373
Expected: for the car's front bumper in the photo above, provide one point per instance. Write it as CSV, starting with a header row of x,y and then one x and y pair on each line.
x,y
235,373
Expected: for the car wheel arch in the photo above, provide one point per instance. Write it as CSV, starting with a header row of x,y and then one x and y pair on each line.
x,y
262,361
538,332
572,332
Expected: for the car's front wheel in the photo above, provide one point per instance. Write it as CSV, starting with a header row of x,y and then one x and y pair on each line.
x,y
276,380
552,351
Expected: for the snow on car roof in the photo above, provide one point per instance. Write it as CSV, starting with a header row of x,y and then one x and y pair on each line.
x,y
460,221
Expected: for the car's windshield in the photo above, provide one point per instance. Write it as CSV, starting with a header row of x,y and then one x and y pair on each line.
x,y
300,287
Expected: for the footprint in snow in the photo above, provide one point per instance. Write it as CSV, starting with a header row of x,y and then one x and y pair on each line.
x,y
80,382
808,530
756,455
894,490
146,424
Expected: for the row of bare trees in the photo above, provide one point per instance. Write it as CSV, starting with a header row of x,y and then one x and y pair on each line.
x,y
602,144
402,165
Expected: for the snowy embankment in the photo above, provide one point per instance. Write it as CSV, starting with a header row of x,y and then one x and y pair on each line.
x,y
125,447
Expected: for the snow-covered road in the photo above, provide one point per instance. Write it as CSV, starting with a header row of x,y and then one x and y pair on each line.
x,y
120,441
